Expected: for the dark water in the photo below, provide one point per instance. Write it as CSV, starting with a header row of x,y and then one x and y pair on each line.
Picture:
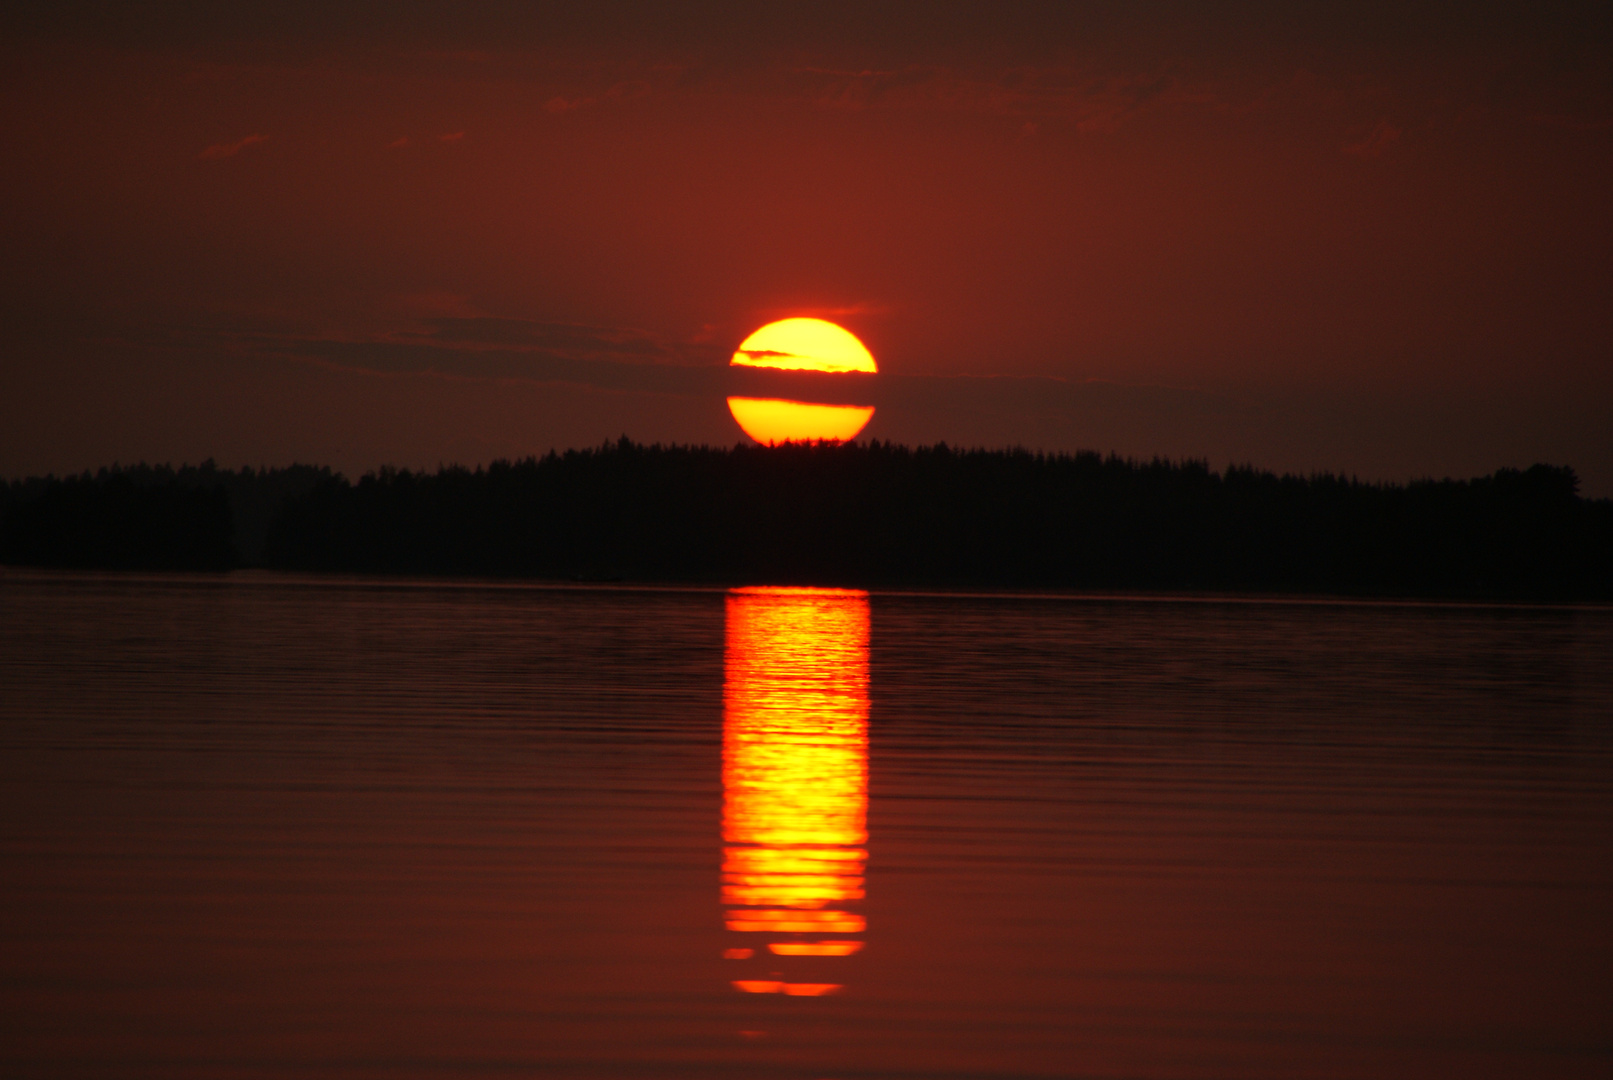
x,y
266,827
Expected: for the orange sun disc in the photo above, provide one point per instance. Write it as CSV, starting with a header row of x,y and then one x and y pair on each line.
x,y
801,344
805,345
771,421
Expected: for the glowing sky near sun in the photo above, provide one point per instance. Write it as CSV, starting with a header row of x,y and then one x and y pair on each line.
x,y
1360,237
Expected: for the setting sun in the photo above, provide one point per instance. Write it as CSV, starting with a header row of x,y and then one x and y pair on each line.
x,y
801,344
770,421
805,345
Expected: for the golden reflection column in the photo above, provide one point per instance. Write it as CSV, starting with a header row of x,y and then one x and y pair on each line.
x,y
795,784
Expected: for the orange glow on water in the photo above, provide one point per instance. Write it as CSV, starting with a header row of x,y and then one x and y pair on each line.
x,y
810,989
769,876
770,986
758,986
795,771
796,922
772,420
815,948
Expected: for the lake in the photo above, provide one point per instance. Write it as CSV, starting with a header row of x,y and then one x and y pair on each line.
x,y
261,826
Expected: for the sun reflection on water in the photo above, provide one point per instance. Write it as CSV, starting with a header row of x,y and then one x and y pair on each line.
x,y
795,780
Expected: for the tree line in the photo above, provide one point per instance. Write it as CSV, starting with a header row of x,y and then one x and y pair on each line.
x,y
869,514
148,517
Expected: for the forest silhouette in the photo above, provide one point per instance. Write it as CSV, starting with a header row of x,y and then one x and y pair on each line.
x,y
859,514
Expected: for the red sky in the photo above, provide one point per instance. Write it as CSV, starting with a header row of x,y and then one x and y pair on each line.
x,y
1364,238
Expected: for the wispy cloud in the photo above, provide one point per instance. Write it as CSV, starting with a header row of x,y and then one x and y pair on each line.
x,y
573,340
230,149
1085,97
481,347
1101,95
1378,140
1572,123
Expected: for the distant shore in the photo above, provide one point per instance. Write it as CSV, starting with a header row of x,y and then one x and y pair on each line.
x,y
870,515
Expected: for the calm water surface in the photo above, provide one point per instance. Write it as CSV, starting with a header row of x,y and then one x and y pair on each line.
x,y
260,827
